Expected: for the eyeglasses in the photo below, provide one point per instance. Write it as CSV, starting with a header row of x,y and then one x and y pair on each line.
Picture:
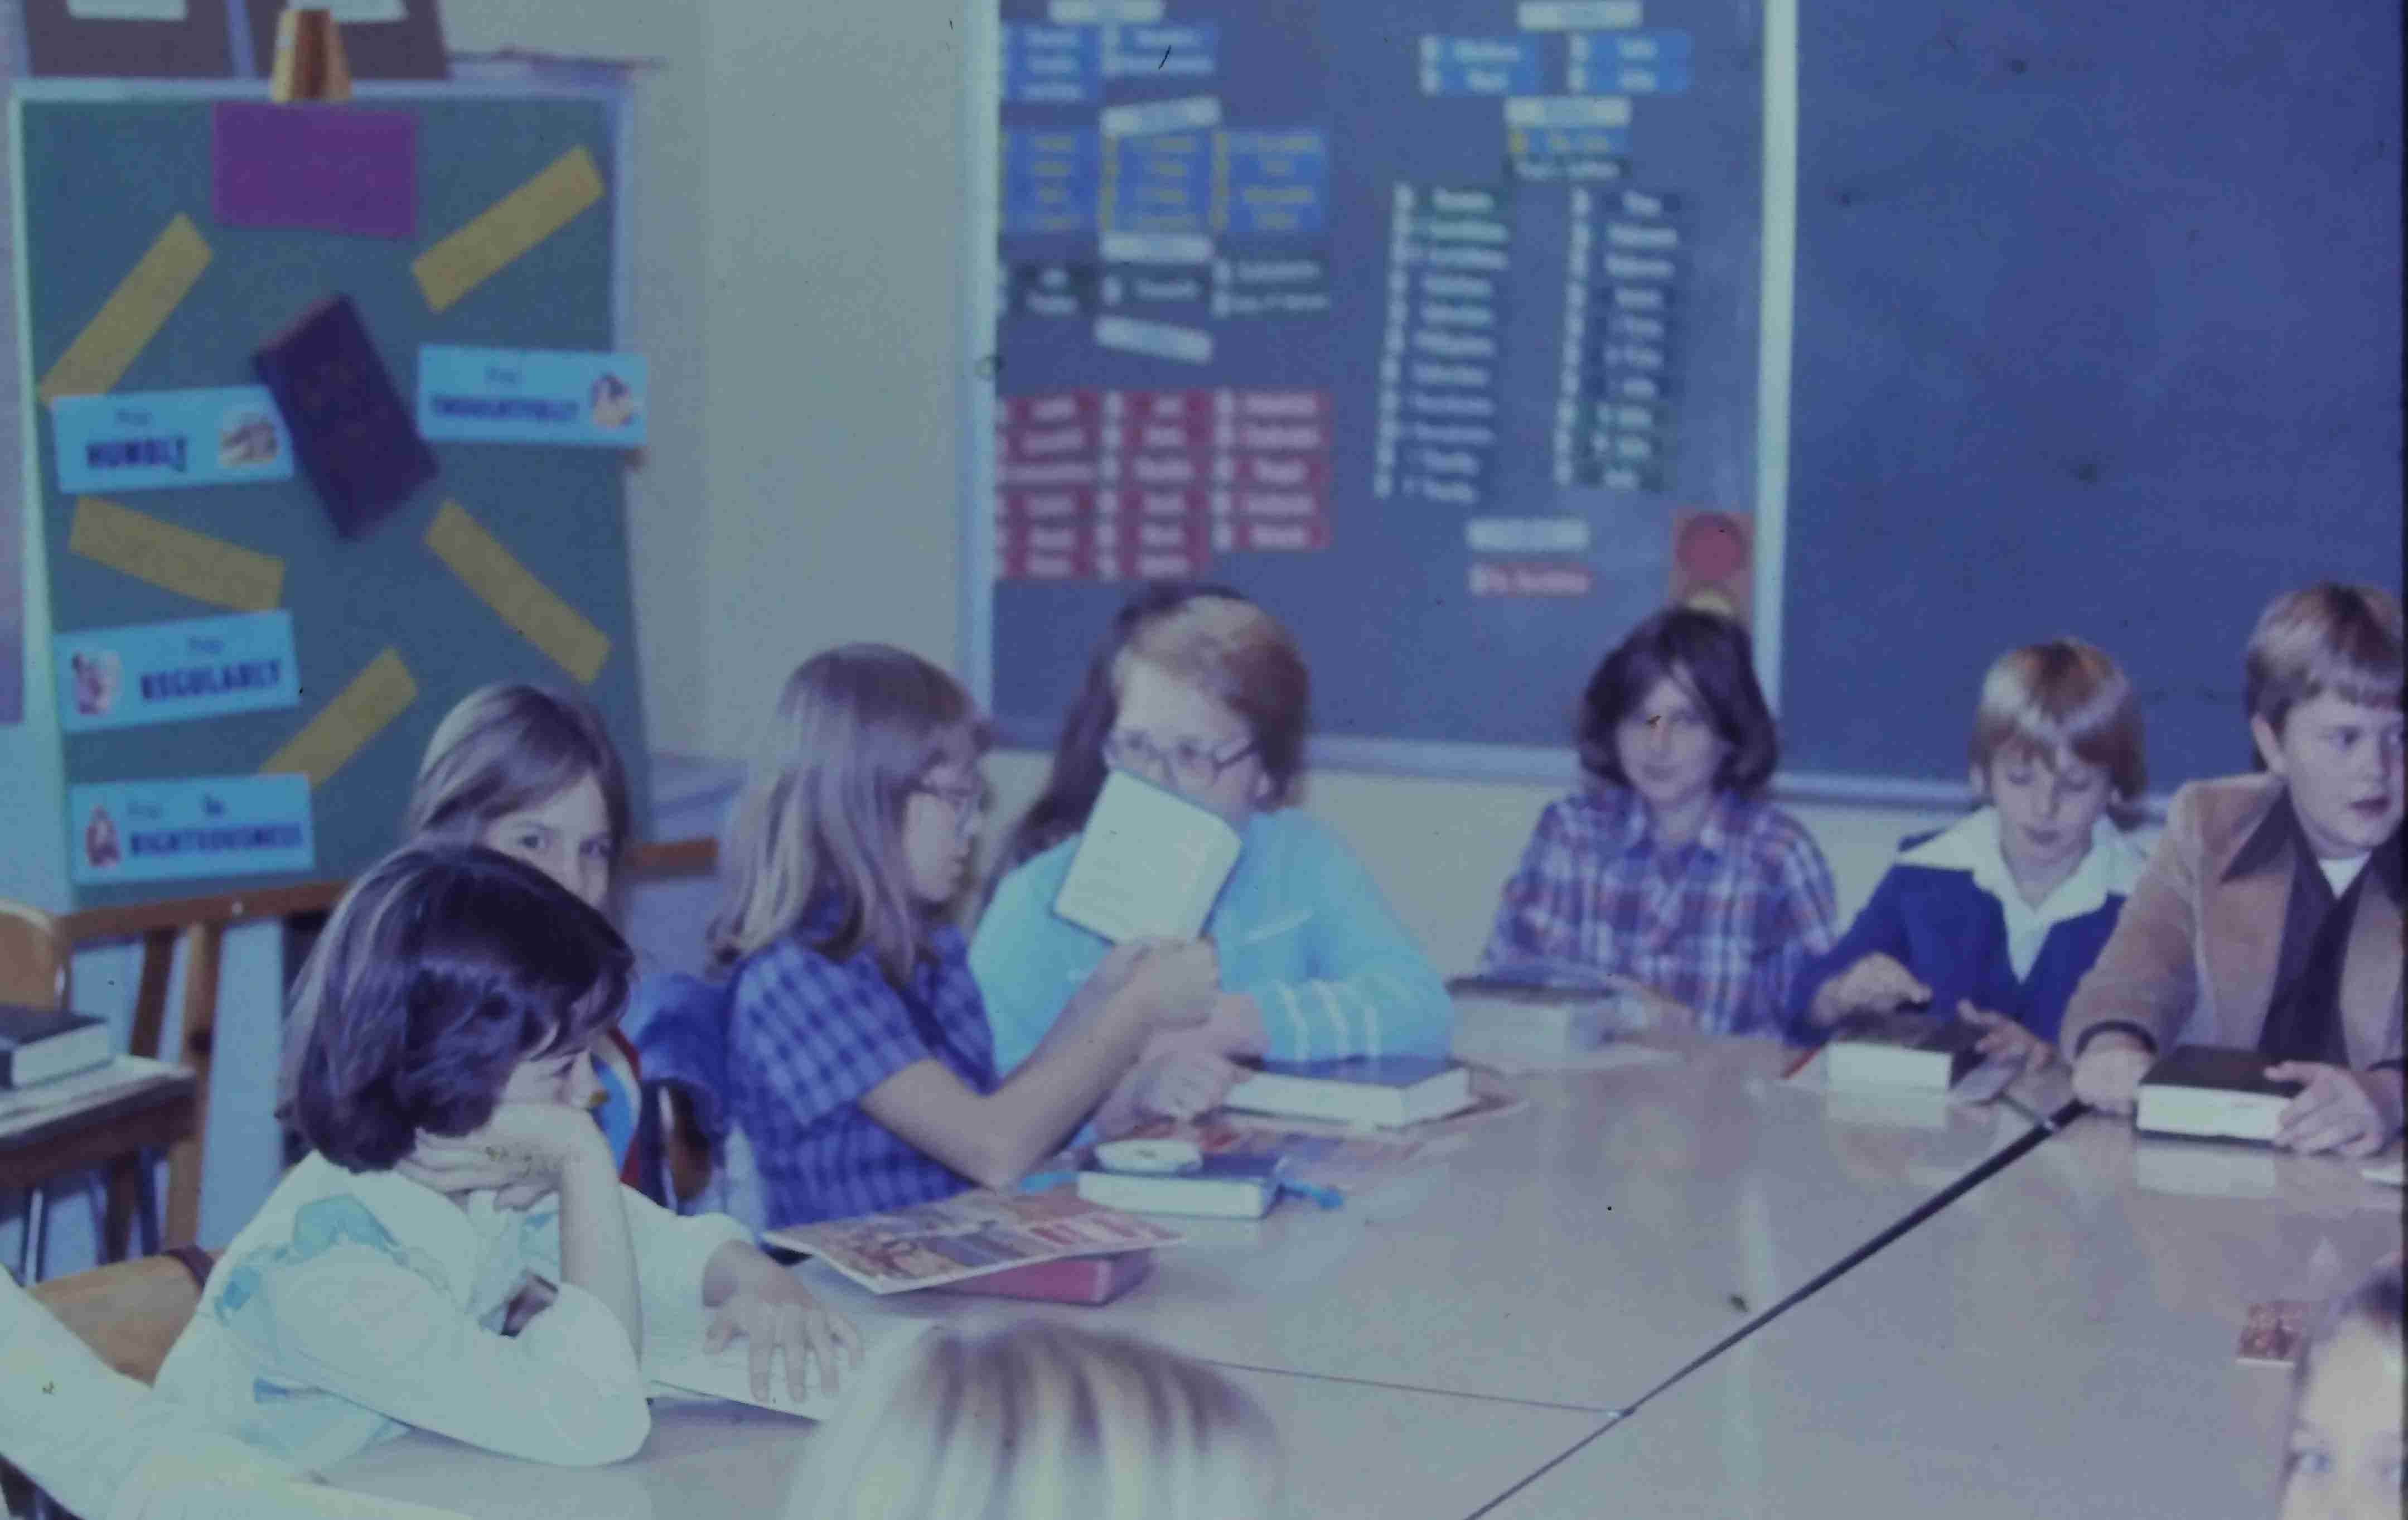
x,y
1188,762
969,803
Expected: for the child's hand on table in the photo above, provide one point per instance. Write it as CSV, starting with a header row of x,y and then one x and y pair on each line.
x,y
1875,984
1182,1084
2006,1041
2107,1075
775,1313
2339,1110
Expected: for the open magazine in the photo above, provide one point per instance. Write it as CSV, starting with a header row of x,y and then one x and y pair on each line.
x,y
968,1235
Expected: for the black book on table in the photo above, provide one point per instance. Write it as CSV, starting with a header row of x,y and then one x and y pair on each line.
x,y
352,436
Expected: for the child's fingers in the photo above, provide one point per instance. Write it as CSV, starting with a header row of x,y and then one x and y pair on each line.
x,y
820,1335
759,1348
843,1334
723,1329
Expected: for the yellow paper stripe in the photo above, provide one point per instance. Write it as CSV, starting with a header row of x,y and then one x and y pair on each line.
x,y
175,559
343,726
131,315
511,590
516,223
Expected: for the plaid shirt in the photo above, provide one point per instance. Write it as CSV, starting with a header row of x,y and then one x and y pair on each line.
x,y
808,1036
1721,926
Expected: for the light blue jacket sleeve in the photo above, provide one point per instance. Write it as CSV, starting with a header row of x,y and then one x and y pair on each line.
x,y
1366,987
1026,961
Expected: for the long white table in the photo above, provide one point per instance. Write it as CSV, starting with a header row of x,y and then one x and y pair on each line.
x,y
1574,1252
1377,1454
2058,1341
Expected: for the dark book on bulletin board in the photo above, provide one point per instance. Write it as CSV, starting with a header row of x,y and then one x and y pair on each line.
x,y
127,39
1077,1280
382,39
1222,1187
1388,1091
353,437
1901,1049
37,1045
2214,1091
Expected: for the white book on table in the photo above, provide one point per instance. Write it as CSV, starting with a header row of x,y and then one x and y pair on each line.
x,y
1150,863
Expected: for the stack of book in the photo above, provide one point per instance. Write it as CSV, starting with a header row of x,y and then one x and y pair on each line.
x,y
37,1045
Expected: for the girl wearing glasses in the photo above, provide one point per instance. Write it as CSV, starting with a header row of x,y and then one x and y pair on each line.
x,y
859,1063
1204,693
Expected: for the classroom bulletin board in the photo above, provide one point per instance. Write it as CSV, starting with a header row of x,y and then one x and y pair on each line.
x,y
249,651
1431,325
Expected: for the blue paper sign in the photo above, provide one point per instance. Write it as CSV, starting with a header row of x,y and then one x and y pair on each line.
x,y
161,672
156,440
1162,52
1052,65
161,831
526,395
1504,65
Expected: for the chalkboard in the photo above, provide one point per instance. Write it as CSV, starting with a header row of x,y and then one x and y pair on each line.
x,y
2098,332
99,179
1432,325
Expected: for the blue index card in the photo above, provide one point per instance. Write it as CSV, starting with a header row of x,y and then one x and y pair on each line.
x,y
531,395
163,672
153,440
166,830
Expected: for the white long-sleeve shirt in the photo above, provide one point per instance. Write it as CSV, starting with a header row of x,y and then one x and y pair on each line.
x,y
356,1304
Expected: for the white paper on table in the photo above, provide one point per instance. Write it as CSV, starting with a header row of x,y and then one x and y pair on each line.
x,y
675,1360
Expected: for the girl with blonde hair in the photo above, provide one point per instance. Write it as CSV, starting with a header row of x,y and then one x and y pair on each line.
x,y
860,1068
1041,1421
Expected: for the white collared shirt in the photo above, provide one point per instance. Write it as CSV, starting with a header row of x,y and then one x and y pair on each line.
x,y
2111,868
2340,873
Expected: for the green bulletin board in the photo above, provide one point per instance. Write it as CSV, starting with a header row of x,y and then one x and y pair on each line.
x,y
100,179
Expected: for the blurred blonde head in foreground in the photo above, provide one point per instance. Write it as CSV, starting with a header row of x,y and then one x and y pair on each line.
x,y
1042,1422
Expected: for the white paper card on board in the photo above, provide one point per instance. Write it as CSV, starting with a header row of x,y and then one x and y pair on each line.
x,y
126,10
355,12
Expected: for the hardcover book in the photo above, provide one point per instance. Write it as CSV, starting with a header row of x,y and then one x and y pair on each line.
x,y
2213,1090
37,1045
1902,1049
353,437
1384,1090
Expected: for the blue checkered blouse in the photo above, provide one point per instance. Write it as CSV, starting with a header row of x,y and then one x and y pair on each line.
x,y
808,1036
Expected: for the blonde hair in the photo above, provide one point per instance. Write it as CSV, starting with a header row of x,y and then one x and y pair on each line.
x,y
2059,697
2325,638
822,811
1237,653
1041,1421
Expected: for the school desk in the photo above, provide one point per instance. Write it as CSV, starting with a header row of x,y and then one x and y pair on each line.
x,y
1577,1251
2058,1341
1376,1453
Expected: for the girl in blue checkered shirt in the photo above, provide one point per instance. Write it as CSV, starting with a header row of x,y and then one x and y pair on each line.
x,y
860,1067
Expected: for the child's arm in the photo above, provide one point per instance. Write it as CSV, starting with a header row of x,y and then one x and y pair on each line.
x,y
993,1140
547,1144
761,1301
1022,958
2145,983
1367,989
1866,971
1803,914
1539,910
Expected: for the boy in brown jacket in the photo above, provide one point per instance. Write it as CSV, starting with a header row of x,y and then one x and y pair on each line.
x,y
2270,915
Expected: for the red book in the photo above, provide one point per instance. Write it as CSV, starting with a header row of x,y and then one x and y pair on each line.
x,y
1072,1280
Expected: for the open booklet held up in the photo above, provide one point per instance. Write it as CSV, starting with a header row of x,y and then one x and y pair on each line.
x,y
1150,863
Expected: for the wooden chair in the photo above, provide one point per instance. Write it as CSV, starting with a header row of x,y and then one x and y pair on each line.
x,y
130,1312
32,957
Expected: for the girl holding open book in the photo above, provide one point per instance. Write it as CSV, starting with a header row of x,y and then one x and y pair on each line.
x,y
1204,694
859,1062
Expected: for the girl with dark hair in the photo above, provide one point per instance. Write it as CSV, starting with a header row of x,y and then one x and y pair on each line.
x,y
1206,695
451,1005
1668,874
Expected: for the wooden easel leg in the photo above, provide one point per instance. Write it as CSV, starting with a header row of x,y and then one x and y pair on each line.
x,y
204,956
